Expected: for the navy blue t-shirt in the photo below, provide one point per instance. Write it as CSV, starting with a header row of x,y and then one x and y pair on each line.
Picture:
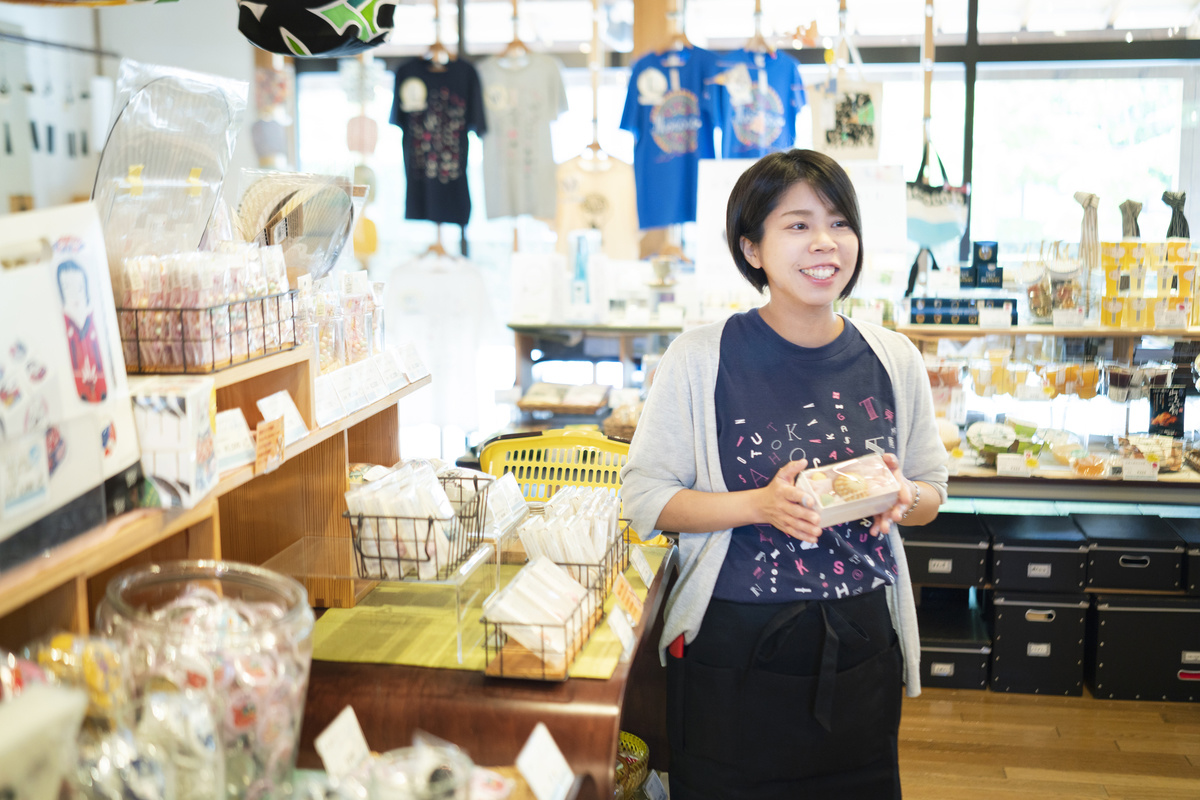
x,y
778,402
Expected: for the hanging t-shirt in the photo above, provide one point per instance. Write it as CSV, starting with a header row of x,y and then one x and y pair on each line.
x,y
436,110
598,194
523,96
757,97
823,404
670,113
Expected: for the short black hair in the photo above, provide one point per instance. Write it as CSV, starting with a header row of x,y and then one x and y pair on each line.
x,y
758,190
71,266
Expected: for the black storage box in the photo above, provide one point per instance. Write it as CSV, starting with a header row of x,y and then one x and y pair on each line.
x,y
1189,532
1145,648
1038,643
1041,554
950,551
1131,552
955,646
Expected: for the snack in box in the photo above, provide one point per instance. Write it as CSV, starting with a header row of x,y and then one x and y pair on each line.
x,y
850,490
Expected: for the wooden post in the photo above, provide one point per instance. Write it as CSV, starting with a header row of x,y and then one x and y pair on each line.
x,y
649,26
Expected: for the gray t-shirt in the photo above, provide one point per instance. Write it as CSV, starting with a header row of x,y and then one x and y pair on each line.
x,y
523,96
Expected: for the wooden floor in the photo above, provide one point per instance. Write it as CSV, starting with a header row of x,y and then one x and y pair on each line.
x,y
980,745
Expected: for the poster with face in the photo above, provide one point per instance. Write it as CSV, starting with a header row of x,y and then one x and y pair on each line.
x,y
66,421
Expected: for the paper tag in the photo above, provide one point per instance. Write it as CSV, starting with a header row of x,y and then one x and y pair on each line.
x,y
1139,469
623,628
1012,465
281,404
641,565
329,407
393,376
1173,318
348,390
342,746
995,317
414,367
1067,317
653,787
627,598
372,383
543,766
1028,392
234,445
268,446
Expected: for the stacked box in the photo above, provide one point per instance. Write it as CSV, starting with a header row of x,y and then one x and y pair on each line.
x,y
955,646
1146,648
175,418
1041,554
1189,531
950,551
1038,647
955,310
1135,552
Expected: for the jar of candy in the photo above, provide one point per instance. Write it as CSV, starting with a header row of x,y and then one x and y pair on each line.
x,y
218,655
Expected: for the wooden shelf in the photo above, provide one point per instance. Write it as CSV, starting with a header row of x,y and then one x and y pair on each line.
x,y
261,366
238,477
97,550
972,331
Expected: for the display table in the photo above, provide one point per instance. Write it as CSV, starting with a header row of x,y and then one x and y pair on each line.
x,y
526,338
491,718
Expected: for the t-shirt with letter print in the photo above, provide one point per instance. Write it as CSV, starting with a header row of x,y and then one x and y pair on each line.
x,y
670,112
777,402
435,110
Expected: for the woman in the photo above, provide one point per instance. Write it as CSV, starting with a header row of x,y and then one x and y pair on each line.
x,y
787,643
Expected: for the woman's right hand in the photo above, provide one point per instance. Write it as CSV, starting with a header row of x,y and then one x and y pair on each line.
x,y
789,508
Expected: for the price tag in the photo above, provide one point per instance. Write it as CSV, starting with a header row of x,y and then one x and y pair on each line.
x,y
393,376
1027,392
1171,317
653,787
623,629
348,390
627,598
543,766
234,446
414,367
1012,465
995,317
1068,317
329,407
641,565
342,746
281,404
372,383
268,446
1139,469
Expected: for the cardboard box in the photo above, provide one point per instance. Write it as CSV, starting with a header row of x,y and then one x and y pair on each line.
x,y
851,490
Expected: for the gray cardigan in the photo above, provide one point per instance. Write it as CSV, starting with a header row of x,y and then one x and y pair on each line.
x,y
675,447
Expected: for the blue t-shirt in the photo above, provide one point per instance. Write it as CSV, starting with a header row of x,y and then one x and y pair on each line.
x,y
670,113
778,402
757,98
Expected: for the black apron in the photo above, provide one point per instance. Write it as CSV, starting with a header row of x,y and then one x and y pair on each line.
x,y
800,700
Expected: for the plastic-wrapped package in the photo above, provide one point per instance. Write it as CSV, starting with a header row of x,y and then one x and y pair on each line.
x,y
162,167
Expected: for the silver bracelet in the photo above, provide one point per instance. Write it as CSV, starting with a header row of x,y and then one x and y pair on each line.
x,y
913,504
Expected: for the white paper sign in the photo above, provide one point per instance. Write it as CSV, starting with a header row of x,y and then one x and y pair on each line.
x,y
367,376
641,565
281,404
414,367
1012,465
1171,318
1067,317
233,445
329,407
543,766
653,787
995,318
393,376
342,746
1138,469
619,621
349,391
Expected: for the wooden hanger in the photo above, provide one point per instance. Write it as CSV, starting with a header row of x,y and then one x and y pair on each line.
x,y
437,55
757,43
594,153
436,248
516,48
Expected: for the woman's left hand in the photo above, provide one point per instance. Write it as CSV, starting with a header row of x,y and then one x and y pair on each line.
x,y
883,521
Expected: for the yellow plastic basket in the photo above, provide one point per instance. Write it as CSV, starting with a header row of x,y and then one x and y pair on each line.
x,y
543,462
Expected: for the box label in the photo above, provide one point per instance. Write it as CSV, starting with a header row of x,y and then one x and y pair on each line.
x,y
941,566
1139,469
941,670
1190,657
1038,650
1037,571
995,317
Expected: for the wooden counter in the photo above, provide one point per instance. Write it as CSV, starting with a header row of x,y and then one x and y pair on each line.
x,y
491,718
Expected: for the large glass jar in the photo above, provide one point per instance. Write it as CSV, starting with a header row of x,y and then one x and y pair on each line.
x,y
218,655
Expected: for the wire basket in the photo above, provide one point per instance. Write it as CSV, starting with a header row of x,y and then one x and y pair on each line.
x,y
422,548
598,578
633,764
539,652
203,340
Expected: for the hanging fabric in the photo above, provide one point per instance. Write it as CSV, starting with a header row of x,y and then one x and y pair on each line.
x,y
1089,237
1129,219
1179,226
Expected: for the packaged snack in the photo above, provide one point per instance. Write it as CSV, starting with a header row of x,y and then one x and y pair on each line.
x,y
850,490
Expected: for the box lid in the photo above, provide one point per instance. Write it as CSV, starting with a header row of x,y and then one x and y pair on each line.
x,y
1115,530
1048,532
948,529
1125,602
1188,530
1042,600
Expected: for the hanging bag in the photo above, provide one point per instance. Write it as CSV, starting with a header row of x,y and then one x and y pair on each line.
x,y
936,214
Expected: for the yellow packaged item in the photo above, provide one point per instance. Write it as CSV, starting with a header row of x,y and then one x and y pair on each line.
x,y
1112,311
1139,313
1179,251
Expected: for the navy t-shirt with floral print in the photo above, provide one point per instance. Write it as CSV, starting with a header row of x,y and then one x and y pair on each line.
x,y
778,402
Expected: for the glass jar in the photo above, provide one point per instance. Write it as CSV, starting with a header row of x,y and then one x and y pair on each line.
x,y
218,656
